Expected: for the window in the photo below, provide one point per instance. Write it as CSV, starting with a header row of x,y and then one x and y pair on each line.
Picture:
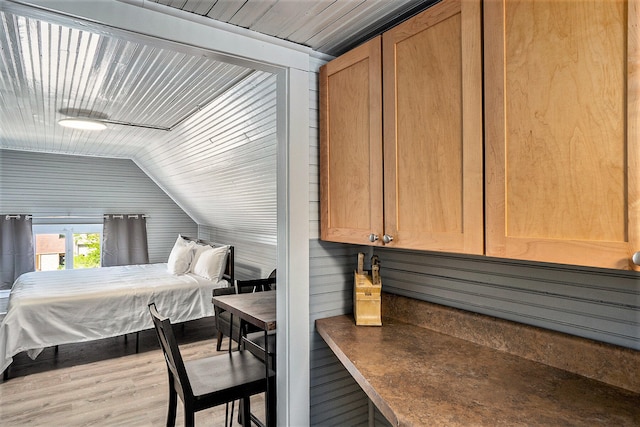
x,y
67,246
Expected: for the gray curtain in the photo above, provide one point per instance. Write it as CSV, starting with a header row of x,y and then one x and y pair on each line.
x,y
16,248
124,240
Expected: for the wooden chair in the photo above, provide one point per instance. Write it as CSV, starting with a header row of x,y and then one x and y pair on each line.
x,y
257,285
208,382
222,318
254,343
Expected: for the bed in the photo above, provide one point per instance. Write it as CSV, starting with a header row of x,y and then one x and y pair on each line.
x,y
49,308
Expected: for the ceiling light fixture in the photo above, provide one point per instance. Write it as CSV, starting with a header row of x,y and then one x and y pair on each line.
x,y
82,123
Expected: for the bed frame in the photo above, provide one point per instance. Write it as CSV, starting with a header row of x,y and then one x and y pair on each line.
x,y
229,273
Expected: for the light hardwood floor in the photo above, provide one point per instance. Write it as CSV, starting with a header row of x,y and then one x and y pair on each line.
x,y
105,383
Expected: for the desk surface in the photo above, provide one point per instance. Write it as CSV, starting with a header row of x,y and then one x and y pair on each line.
x,y
258,308
417,376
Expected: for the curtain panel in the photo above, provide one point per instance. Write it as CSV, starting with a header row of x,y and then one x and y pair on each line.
x,y
16,248
124,240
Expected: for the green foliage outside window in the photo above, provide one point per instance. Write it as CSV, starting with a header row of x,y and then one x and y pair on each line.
x,y
90,256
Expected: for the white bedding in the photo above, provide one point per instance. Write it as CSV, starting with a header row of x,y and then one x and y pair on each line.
x,y
57,307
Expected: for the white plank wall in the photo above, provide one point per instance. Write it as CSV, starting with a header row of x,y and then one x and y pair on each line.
x,y
223,160
252,260
228,181
63,185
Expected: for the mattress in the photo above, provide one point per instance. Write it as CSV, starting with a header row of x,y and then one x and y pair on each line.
x,y
67,306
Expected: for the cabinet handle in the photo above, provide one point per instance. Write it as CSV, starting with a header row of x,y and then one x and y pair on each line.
x,y
373,237
387,239
636,258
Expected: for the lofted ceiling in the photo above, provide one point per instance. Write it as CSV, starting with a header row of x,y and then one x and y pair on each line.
x,y
146,90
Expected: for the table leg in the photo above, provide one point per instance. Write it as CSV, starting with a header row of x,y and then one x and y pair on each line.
x,y
270,395
230,330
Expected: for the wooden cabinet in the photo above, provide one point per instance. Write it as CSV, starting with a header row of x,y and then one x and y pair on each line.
x,y
351,146
433,158
561,133
432,113
562,85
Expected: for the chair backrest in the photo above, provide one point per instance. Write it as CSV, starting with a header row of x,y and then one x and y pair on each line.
x,y
175,364
230,290
255,285
273,276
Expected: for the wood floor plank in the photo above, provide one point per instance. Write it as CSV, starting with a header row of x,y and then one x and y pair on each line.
x,y
105,383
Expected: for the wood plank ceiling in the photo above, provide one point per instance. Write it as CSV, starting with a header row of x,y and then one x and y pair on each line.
x,y
51,69
327,26
149,93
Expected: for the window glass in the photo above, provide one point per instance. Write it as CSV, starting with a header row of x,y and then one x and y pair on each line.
x,y
86,250
50,251
67,246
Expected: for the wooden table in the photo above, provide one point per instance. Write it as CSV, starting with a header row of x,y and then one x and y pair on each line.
x,y
258,309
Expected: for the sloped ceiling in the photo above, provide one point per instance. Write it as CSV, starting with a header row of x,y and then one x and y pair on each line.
x,y
51,71
145,90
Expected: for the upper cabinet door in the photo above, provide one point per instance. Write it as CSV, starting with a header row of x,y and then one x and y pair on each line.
x,y
351,146
433,154
562,131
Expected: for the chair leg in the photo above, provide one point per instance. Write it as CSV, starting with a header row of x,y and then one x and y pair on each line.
x,y
189,416
272,402
227,423
173,403
246,411
219,343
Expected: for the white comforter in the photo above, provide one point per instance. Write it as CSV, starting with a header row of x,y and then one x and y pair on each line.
x,y
58,307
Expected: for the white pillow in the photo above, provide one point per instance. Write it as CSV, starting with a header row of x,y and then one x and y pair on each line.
x,y
211,263
180,257
198,248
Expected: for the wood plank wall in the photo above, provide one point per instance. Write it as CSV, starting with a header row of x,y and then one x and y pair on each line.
x,y
237,203
252,260
336,399
53,184
599,304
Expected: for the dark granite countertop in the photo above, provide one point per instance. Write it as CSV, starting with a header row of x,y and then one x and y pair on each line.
x,y
416,377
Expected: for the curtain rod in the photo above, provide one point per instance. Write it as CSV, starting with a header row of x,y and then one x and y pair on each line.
x,y
120,216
